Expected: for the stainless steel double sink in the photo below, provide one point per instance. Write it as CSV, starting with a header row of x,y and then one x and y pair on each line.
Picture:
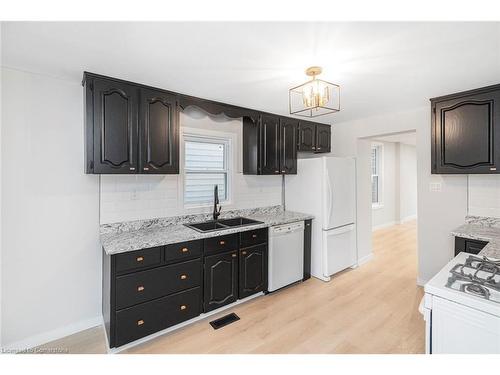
x,y
213,225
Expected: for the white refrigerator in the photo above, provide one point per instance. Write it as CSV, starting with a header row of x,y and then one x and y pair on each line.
x,y
326,188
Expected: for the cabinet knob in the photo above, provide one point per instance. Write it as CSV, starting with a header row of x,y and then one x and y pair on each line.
x,y
254,236
140,259
276,171
140,288
140,322
314,148
319,148
493,169
222,242
184,277
283,171
146,168
183,307
243,253
184,249
233,255
132,168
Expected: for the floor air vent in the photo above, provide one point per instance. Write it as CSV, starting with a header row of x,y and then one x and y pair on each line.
x,y
224,321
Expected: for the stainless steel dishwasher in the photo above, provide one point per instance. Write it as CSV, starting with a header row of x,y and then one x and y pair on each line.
x,y
286,255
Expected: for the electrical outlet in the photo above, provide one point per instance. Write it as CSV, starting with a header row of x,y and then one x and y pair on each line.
x,y
435,187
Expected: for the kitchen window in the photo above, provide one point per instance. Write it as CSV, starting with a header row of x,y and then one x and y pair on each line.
x,y
376,164
206,164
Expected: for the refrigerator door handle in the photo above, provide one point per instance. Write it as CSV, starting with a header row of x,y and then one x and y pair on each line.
x,y
343,229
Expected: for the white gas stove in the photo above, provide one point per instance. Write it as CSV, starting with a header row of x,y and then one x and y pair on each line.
x,y
462,306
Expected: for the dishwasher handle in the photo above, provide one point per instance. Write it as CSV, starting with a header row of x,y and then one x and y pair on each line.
x,y
287,228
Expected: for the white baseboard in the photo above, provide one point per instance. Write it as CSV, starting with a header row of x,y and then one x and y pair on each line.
x,y
385,225
365,259
58,333
408,218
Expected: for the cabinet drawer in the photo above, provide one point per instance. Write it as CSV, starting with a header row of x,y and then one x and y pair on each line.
x,y
143,286
474,246
183,250
253,237
150,317
221,243
136,260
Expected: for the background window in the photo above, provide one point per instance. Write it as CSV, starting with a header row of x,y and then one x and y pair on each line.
x,y
205,165
376,178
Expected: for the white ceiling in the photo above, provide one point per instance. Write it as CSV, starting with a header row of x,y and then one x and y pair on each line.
x,y
408,138
380,66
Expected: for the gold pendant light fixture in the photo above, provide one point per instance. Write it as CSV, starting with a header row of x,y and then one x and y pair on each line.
x,y
315,97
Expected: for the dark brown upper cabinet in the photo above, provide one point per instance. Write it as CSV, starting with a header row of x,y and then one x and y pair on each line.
x,y
129,128
134,128
323,138
159,126
270,145
112,126
314,137
307,137
288,131
465,136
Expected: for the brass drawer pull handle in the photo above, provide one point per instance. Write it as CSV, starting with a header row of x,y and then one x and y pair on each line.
x,y
233,255
254,236
184,249
140,259
184,277
140,288
183,307
244,253
222,242
140,322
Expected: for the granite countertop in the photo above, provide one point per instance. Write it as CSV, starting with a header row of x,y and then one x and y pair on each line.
x,y
122,237
483,229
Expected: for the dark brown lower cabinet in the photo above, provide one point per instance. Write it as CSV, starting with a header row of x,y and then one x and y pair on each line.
x,y
149,290
253,270
221,280
469,246
144,319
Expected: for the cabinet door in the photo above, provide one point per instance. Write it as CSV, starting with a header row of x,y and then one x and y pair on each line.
x,y
115,111
323,138
465,131
307,140
270,145
253,270
288,146
221,280
159,133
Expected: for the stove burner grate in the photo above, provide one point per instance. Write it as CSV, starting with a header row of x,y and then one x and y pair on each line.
x,y
476,290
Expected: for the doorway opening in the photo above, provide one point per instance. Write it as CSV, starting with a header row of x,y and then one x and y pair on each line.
x,y
389,198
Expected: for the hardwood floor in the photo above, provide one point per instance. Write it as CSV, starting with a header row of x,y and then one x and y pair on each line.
x,y
371,309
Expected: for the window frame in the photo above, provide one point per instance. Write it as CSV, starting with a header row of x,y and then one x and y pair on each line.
x,y
194,135
379,147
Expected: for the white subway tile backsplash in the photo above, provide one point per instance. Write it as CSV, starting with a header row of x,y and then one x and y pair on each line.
x,y
138,197
484,195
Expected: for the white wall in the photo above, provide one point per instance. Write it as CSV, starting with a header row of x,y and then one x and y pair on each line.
x,y
439,212
407,182
51,257
126,198
386,214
